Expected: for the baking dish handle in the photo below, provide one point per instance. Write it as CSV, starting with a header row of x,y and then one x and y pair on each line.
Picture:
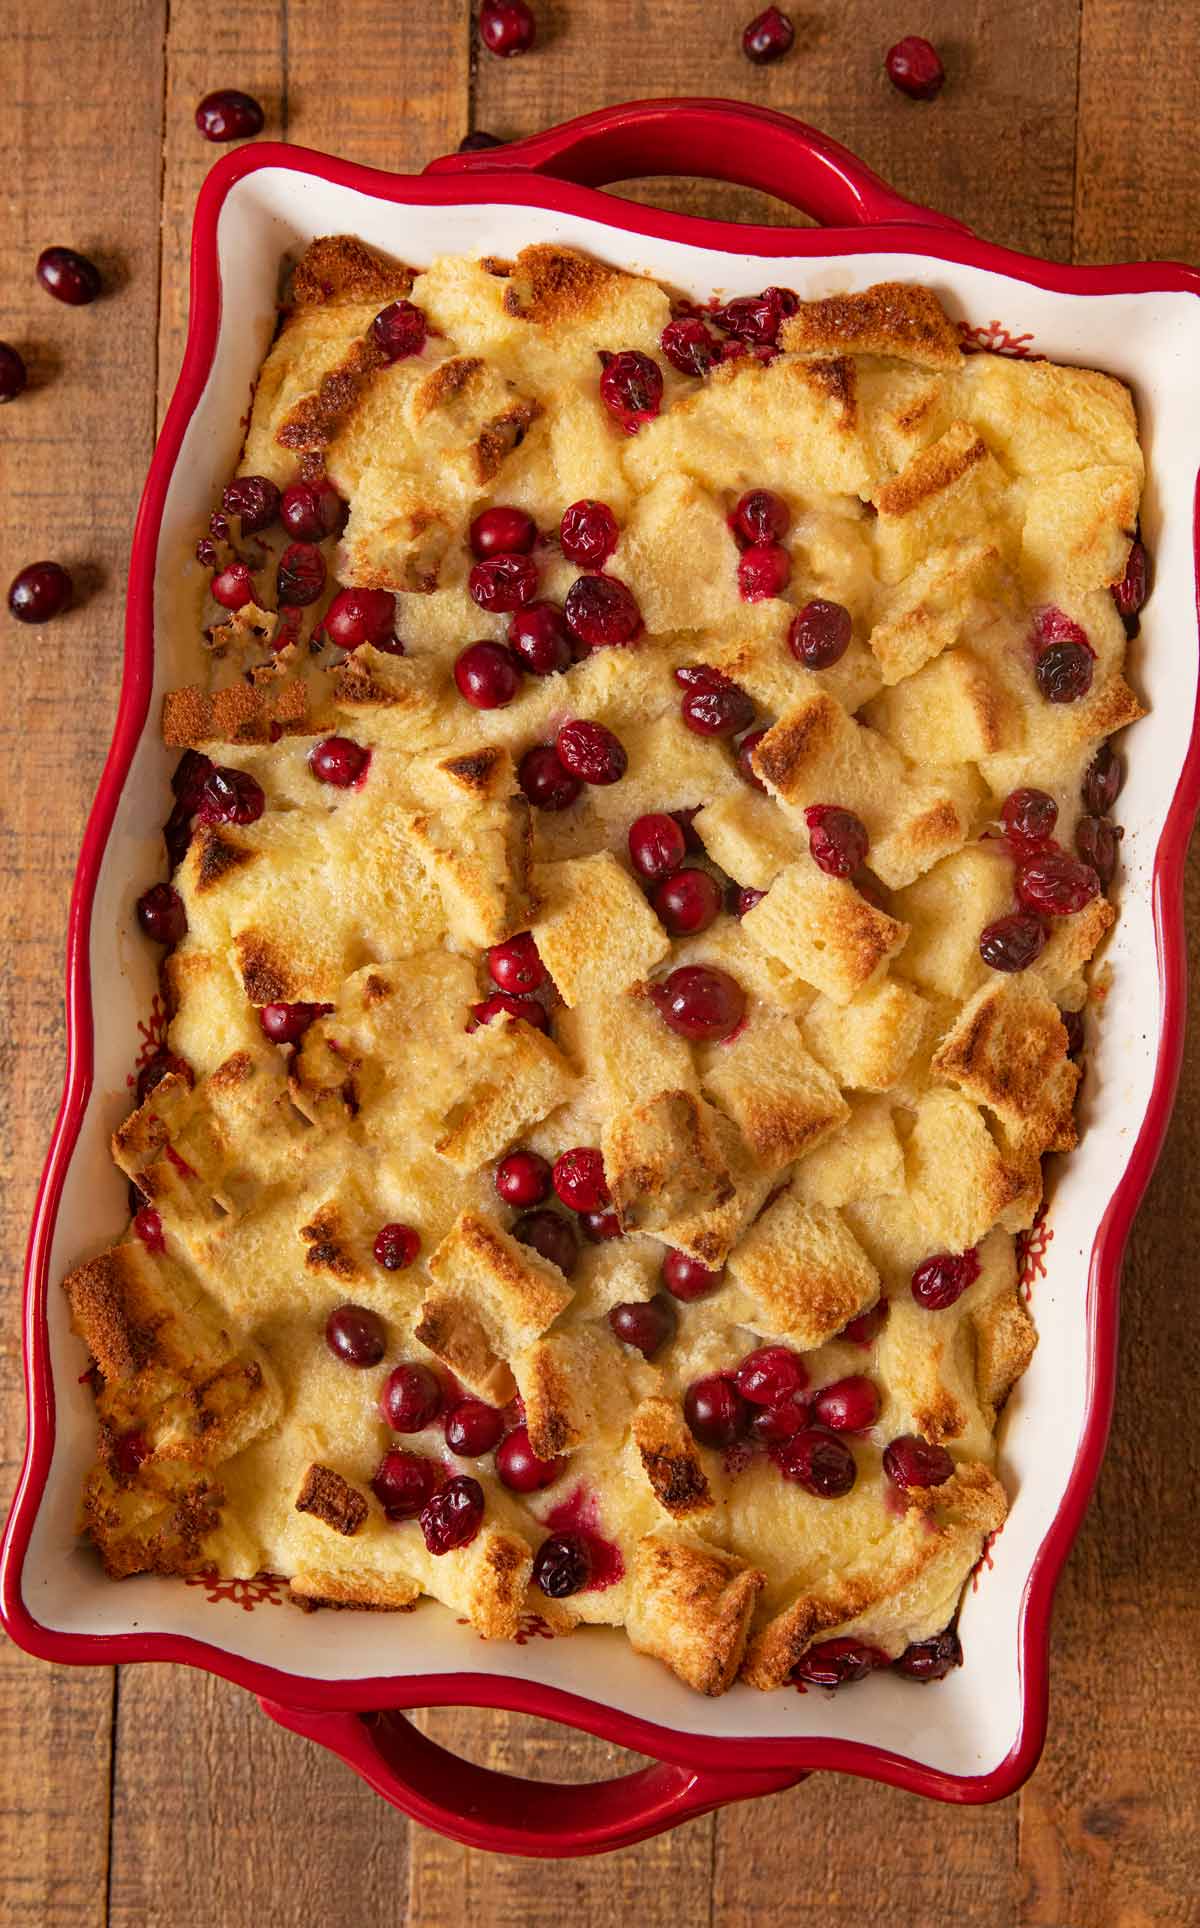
x,y
721,140
482,1808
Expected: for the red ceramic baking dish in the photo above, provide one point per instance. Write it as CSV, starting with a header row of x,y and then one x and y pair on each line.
x,y
344,1679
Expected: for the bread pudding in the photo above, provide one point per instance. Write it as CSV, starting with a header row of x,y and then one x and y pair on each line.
x,y
640,839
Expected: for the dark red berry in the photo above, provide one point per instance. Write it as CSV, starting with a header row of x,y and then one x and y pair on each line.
x,y
520,1468
399,330
191,773
149,1228
1102,781
687,1279
516,966
686,819
591,752
745,898
228,115
836,1663
300,576
230,796
599,1227
549,1235
700,1003
526,1008
863,1330
544,781
562,1565
402,1484
913,1461
771,1425
68,276
503,583
770,1375
940,1280
656,845
1097,840
1012,943
848,1405
310,511
357,616
687,902
39,592
819,635
1064,660
631,388
396,1247
507,27
714,706
715,1411
763,572
602,610
472,1428
914,68
488,675
477,140
411,1398
819,1462
233,587
647,1324
837,839
130,1452
161,914
760,517
930,1659
689,346
163,1064
537,636
757,319
1130,593
1055,885
287,1023
254,500
453,1515
578,1179
745,750
502,532
523,1178
1029,817
588,534
13,373
340,761
768,37
356,1335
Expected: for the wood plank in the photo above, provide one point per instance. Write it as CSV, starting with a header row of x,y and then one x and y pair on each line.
x,y
1135,179
72,451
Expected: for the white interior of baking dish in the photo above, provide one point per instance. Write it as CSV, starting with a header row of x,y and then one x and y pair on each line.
x,y
969,1723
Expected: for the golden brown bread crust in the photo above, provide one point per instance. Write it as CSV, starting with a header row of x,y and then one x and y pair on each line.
x,y
891,318
332,1500
339,269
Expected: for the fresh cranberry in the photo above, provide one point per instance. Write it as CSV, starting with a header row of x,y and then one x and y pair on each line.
x,y
537,636
760,517
1055,885
13,373
396,1247
1130,593
523,1178
687,902
819,635
914,68
562,1565
356,1335
770,1375
1029,817
300,576
130,1452
686,819
516,966
544,781
757,319
689,346
161,914
507,27
930,1659
602,610
229,115
233,587
1073,1024
149,1228
399,330
837,1663
763,572
402,1484
588,534
503,583
287,1023
647,1324
549,1235
819,1462
656,845
715,1411
190,775
340,761
1012,943
744,897
502,532
771,1425
1096,840
163,1064
848,1405
837,839
231,796
488,675
411,1398
687,1279
913,1461
1064,660
768,37
940,1280
863,1330
477,140
452,1516
39,592
700,1003
519,1466
591,752
68,276
254,500
745,750
631,388
310,511
599,1227
357,616
579,1181
527,1008
472,1428
1102,781
717,707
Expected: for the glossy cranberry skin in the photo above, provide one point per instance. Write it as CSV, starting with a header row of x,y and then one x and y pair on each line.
x,y
68,276
647,1324
396,1247
39,592
452,1516
526,1008
515,965
744,898
717,708
477,140
339,761
656,845
1029,818
591,752
913,1461
700,1003
1064,672
472,1428
502,531
163,1064
1097,840
819,1462
836,1663
1130,593
13,373
190,775
549,1235
631,388
537,637
745,750
763,572
519,1466
915,68
562,1565
687,902
300,577
770,1375
287,1023
230,796
689,346
402,1484
523,1178
866,1328
579,1181
686,1279
715,1411
228,115
356,1335
507,27
411,1398
588,533
253,499
837,839
160,913
940,1280
848,1405
599,1227
544,780
357,616
1012,943
488,675
768,37
233,587
771,1425
503,583
149,1228
757,319
819,635
930,1659
760,517
399,330
1102,781
602,611
1055,885
310,511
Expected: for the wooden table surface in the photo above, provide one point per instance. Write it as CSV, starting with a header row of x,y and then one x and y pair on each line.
x,y
1070,128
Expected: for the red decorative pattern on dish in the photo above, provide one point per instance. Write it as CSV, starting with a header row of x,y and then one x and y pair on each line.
x,y
993,338
985,1557
153,1036
266,1589
1031,1252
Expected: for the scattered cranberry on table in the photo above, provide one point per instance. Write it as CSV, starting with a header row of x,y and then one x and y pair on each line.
x,y
912,1461
39,592
452,1516
820,1462
356,1335
631,388
68,276
523,1178
939,1281
287,1023
403,1483
819,635
544,781
763,572
228,115
396,1247
579,1181
768,37
357,616
230,796
915,68
538,638
300,575
520,1468
588,533
487,675
930,1659
687,902
500,1002
161,914
399,330
1012,943
254,500
689,346
602,611
646,1324
507,27
339,761
13,372
837,839
233,588
836,1663
686,1279
771,1374
562,1565
700,1003
550,1236
502,531
516,965
591,752
472,1428
411,1398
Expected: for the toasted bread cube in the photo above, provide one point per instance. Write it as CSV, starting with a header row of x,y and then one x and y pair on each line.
x,y
868,1043
823,929
1043,418
479,859
1008,1051
952,711
863,1158
892,318
596,933
726,945
952,489
709,1232
748,837
932,825
493,1297
664,1157
670,768
691,1607
1071,944
679,557
515,1076
1076,532
802,1273
625,1046
782,1101
670,1461
947,910
933,607
575,1386
959,1183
